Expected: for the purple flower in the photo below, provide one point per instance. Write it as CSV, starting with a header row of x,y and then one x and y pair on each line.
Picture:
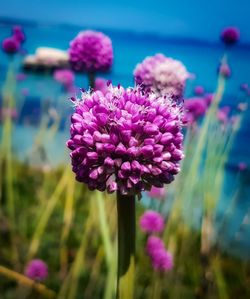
x,y
195,108
230,35
91,51
224,70
162,260
153,244
65,77
37,270
125,140
242,166
222,114
10,45
152,222
21,77
157,193
162,75
18,34
101,84
244,86
199,90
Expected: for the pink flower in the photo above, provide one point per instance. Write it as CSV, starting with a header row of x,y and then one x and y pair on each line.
x,y
8,112
199,90
162,260
101,85
162,75
157,193
37,270
10,45
91,51
195,108
65,77
154,243
230,35
222,114
152,222
242,166
224,70
18,34
21,77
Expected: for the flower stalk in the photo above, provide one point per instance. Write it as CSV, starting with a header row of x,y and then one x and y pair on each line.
x,y
126,246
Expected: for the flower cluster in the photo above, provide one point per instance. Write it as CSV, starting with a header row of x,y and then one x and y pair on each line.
x,y
161,258
125,140
199,90
101,84
65,77
224,70
37,270
157,193
152,222
91,51
230,35
162,75
12,44
195,108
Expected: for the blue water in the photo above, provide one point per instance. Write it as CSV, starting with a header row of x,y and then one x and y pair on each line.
x,y
200,58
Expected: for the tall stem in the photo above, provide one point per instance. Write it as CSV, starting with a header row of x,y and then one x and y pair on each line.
x,y
126,246
91,78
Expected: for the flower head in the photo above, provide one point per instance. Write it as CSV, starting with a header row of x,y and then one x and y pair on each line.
x,y
195,108
91,51
65,77
125,140
242,166
152,222
162,260
224,70
157,193
37,270
199,90
101,84
230,35
18,34
162,75
10,45
153,244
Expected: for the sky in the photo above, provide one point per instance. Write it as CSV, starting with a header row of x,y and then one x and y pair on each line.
x,y
201,19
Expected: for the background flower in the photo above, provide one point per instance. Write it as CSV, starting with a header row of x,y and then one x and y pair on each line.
x,y
91,51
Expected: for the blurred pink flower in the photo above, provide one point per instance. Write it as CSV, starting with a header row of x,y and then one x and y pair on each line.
x,y
10,45
195,108
222,114
8,112
64,76
101,85
25,91
21,77
157,193
199,90
162,75
91,51
37,270
162,260
242,166
152,222
224,70
230,35
154,243
18,34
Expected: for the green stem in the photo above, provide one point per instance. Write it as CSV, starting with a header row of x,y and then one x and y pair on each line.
x,y
91,78
126,246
